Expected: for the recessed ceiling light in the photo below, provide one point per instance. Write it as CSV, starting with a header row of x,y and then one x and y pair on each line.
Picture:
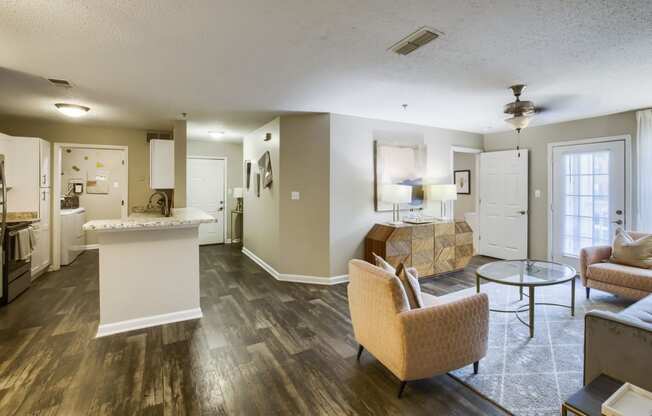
x,y
216,134
72,110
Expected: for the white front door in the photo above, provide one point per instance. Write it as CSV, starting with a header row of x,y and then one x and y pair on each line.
x,y
588,197
206,192
504,204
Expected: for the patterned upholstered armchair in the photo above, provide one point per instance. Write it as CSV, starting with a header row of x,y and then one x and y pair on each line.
x,y
418,343
627,281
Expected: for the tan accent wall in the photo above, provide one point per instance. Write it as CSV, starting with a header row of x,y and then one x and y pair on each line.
x,y
234,174
180,145
536,139
352,176
305,168
70,132
261,216
466,203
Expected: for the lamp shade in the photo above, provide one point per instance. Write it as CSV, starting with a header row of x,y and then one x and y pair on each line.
x,y
238,193
519,122
442,192
396,194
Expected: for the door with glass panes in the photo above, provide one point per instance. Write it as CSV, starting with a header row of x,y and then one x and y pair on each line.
x,y
588,197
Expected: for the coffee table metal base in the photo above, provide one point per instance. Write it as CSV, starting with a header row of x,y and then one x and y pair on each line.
x,y
531,304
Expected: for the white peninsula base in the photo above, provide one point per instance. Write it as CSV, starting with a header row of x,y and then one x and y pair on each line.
x,y
149,271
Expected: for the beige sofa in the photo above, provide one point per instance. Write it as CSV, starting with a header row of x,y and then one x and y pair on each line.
x,y
627,281
418,343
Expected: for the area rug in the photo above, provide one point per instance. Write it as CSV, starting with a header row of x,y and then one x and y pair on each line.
x,y
533,376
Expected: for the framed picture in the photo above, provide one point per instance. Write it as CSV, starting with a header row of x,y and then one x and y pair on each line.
x,y
463,181
400,164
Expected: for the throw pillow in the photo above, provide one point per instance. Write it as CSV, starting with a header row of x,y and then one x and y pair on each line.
x,y
380,262
408,278
632,252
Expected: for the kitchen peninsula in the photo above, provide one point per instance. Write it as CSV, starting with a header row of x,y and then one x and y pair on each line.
x,y
149,269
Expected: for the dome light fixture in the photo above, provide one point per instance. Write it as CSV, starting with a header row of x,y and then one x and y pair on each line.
x,y
72,110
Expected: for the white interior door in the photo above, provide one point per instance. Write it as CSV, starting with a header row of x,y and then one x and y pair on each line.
x,y
588,197
206,192
504,204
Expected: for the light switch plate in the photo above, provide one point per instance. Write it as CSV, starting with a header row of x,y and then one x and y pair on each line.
x,y
295,196
537,193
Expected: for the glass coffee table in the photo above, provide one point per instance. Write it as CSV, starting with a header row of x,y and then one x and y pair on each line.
x,y
530,274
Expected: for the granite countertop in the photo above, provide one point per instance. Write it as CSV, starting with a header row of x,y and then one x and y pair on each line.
x,y
181,218
27,216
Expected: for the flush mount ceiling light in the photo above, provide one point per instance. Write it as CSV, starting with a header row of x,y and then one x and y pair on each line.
x,y
216,134
72,110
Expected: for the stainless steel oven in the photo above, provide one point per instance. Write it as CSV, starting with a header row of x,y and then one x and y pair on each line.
x,y
16,274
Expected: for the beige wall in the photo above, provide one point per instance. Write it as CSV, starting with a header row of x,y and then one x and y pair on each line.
x,y
233,154
465,203
83,164
68,132
261,214
180,145
305,168
352,176
536,139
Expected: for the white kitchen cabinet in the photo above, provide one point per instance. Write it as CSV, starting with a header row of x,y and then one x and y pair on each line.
x,y
44,165
161,164
41,256
22,166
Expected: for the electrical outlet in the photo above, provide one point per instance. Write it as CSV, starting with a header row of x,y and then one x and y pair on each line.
x,y
295,196
537,193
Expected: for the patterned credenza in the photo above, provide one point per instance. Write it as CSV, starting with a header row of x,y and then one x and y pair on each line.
x,y
431,248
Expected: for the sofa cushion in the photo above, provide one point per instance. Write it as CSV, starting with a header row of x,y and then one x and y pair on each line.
x,y
632,251
621,275
640,312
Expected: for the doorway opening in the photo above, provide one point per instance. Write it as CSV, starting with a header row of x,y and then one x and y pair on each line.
x,y
206,187
91,183
589,191
465,162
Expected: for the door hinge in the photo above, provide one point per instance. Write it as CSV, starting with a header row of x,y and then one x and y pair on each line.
x,y
122,203
123,162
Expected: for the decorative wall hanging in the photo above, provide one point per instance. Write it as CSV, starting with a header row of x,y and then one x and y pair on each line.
x,y
462,181
265,168
399,164
248,173
98,183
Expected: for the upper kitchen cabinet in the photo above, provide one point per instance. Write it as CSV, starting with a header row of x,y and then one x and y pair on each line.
x,y
22,163
44,165
161,164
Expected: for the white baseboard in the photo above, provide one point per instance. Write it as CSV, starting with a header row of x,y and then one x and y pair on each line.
x,y
295,278
149,321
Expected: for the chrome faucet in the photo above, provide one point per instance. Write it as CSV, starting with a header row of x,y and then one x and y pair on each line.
x,y
163,203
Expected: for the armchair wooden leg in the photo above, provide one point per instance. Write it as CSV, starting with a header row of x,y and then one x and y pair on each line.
x,y
476,366
400,389
588,292
360,349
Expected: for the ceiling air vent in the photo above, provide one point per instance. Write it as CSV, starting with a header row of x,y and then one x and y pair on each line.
x,y
60,83
415,40
160,135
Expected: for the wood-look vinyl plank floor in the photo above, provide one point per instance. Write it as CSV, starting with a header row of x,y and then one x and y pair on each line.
x,y
263,347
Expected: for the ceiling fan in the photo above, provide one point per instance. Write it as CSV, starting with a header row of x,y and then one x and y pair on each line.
x,y
521,112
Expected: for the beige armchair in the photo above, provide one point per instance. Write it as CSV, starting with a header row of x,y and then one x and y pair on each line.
x,y
418,343
627,281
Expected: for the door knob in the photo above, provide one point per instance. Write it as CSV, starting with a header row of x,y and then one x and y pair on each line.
x,y
619,222
522,212
619,212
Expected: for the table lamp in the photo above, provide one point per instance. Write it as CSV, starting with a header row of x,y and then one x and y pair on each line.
x,y
443,194
238,194
395,195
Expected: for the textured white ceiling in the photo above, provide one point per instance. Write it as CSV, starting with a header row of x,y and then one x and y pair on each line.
x,y
232,65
